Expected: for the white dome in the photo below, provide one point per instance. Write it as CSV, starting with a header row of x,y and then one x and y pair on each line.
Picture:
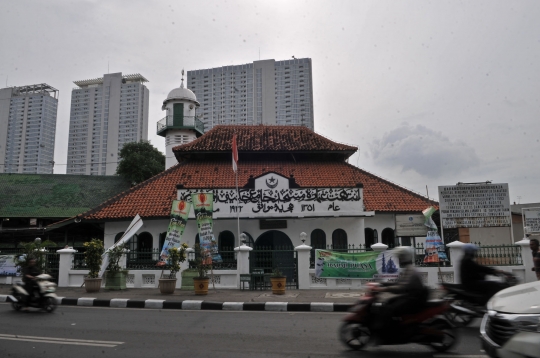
x,y
182,93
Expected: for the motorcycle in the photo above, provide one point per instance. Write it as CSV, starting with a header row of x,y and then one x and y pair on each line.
x,y
427,327
467,305
43,298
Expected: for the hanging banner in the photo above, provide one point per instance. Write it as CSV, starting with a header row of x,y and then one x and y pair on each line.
x,y
372,265
8,267
203,208
179,215
434,248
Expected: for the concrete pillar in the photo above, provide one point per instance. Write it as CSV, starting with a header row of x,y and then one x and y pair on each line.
x,y
242,261
303,252
456,255
66,262
528,263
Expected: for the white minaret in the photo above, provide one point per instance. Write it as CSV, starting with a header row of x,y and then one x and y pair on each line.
x,y
180,125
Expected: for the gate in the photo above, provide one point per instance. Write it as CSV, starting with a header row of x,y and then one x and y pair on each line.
x,y
267,258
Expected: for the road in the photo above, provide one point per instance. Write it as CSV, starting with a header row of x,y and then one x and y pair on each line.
x,y
84,332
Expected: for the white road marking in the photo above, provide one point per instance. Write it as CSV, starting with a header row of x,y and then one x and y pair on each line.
x,y
77,342
458,356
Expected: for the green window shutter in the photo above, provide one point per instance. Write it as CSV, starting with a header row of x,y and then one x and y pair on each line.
x,y
178,114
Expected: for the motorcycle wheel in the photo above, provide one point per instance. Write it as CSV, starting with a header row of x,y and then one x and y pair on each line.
x,y
50,305
354,335
449,335
17,305
459,319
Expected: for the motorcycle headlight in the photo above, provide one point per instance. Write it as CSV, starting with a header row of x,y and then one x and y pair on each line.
x,y
529,323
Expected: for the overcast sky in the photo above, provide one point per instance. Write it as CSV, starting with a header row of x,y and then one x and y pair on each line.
x,y
432,92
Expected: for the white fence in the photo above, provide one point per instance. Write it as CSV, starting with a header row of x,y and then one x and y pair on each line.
x,y
230,279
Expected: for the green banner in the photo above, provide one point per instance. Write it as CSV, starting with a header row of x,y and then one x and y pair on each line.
x,y
203,205
179,215
363,265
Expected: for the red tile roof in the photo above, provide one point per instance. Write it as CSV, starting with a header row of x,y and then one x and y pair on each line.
x,y
152,198
263,138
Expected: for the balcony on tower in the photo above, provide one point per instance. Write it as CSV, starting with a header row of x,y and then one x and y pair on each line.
x,y
180,122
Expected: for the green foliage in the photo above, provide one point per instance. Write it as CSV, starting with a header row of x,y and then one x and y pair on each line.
x,y
276,272
140,161
176,256
115,254
92,256
202,264
34,250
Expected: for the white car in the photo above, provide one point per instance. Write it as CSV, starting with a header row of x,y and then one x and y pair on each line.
x,y
511,326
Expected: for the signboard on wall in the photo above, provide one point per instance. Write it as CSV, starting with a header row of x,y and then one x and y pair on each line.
x,y
475,206
531,219
411,225
272,197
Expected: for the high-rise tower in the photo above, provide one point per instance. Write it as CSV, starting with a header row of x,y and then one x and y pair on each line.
x,y
27,129
262,92
106,112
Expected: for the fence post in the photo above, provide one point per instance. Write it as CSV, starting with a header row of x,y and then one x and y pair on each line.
x,y
242,261
303,252
456,254
66,259
379,247
526,257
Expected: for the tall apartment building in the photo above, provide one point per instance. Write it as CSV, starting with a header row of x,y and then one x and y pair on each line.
x,y
106,112
27,129
267,91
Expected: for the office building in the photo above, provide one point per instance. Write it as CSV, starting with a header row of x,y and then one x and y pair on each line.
x,y
262,92
106,112
27,129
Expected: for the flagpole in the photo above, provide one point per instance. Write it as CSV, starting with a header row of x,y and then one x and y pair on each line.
x,y
238,207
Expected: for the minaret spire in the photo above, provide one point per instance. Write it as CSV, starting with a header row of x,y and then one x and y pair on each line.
x,y
182,84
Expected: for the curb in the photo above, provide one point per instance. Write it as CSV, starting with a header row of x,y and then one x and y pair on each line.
x,y
200,305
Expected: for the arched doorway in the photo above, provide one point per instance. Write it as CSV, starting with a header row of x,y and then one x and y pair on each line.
x,y
274,249
387,237
339,240
226,245
369,235
145,245
318,241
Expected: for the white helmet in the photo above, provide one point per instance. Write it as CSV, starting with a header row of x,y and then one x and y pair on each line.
x,y
404,254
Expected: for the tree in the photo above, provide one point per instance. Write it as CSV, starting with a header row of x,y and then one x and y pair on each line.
x,y
140,161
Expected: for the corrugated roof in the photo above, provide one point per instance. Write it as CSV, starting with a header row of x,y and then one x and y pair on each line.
x,y
55,195
153,197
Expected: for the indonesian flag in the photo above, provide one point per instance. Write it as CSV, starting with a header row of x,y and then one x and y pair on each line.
x,y
234,154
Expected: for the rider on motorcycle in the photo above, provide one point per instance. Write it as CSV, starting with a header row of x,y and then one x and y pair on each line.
x,y
473,275
411,293
30,273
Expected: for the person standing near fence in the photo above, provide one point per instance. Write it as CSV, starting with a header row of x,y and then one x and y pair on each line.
x,y
533,244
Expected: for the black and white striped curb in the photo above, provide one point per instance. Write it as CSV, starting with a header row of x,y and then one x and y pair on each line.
x,y
200,305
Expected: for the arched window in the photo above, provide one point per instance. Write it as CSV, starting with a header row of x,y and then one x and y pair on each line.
x,y
387,237
118,237
369,237
318,239
226,241
339,240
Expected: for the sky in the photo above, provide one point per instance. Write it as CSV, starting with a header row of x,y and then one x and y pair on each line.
x,y
431,92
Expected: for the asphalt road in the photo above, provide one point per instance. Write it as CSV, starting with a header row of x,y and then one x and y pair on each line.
x,y
83,332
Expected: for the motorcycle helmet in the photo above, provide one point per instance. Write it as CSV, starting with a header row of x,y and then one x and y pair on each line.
x,y
470,250
404,254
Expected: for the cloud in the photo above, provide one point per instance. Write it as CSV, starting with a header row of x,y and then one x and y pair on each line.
x,y
423,151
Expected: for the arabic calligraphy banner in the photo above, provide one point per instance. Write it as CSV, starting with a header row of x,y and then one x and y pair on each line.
x,y
363,265
179,215
203,208
253,203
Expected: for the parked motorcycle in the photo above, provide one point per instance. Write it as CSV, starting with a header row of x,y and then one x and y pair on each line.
x,y
43,298
466,305
427,327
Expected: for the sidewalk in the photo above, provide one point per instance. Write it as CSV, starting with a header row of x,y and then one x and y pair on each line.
x,y
231,299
